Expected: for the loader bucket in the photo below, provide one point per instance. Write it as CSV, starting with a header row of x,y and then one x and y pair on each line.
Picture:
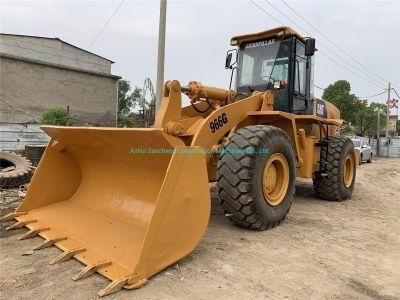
x,y
100,196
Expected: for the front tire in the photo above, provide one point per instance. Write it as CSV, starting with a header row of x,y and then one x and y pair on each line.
x,y
256,177
337,183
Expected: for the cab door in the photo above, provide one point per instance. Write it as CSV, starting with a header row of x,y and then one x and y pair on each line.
x,y
302,80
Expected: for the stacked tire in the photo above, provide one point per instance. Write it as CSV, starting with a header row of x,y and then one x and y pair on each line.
x,y
15,170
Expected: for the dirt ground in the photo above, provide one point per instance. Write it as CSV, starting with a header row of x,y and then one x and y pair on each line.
x,y
324,250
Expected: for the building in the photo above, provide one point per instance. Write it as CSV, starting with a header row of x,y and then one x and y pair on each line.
x,y
393,116
393,125
38,72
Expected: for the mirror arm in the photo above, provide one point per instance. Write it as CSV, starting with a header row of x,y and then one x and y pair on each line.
x,y
230,82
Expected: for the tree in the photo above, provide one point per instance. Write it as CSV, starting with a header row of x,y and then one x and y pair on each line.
x,y
398,127
382,109
367,119
338,94
127,101
363,118
56,115
128,121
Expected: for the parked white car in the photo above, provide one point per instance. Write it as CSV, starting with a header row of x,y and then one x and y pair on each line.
x,y
365,150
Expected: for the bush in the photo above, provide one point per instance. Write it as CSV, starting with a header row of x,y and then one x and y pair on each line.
x,y
56,115
127,121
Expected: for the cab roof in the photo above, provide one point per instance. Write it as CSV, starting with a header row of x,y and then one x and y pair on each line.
x,y
278,32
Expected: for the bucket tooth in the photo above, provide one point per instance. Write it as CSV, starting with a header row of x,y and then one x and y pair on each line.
x,y
32,233
136,285
11,216
67,255
50,242
20,224
115,286
91,269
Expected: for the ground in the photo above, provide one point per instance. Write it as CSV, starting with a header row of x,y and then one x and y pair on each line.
x,y
323,250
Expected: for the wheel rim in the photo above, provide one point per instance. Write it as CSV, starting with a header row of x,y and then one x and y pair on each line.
x,y
348,170
275,180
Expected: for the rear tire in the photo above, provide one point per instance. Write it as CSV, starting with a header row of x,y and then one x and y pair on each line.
x,y
370,159
246,198
337,184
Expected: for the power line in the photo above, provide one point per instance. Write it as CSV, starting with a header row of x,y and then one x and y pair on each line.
x,y
267,13
348,69
361,75
282,13
106,24
327,48
395,92
319,87
385,91
329,40
336,62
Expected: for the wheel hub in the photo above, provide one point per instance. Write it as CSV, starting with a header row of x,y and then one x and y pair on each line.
x,y
348,170
275,180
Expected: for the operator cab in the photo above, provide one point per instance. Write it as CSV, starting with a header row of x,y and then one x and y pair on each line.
x,y
278,59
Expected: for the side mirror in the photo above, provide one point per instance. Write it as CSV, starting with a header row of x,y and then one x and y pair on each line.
x,y
228,61
310,47
364,146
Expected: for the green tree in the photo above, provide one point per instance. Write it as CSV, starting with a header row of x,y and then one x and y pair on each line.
x,y
398,127
339,94
127,101
364,120
375,107
367,119
56,115
128,121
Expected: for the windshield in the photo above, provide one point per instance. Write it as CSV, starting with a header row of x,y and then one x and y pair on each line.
x,y
357,143
262,62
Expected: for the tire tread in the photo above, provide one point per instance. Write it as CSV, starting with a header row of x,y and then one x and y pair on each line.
x,y
235,173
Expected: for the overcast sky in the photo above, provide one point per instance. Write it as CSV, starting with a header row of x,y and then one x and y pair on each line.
x,y
198,35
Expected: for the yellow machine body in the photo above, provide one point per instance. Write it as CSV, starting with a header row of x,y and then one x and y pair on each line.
x,y
126,202
129,202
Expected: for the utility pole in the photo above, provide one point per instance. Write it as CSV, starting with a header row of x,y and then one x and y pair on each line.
x,y
161,53
388,111
378,129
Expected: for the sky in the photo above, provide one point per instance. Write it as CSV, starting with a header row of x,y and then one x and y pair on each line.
x,y
198,36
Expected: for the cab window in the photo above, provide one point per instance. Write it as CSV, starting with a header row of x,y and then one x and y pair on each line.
x,y
300,69
246,77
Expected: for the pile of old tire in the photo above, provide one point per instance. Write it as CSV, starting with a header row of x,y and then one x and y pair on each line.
x,y
15,170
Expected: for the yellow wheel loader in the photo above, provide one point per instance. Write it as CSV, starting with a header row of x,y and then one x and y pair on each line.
x,y
128,203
